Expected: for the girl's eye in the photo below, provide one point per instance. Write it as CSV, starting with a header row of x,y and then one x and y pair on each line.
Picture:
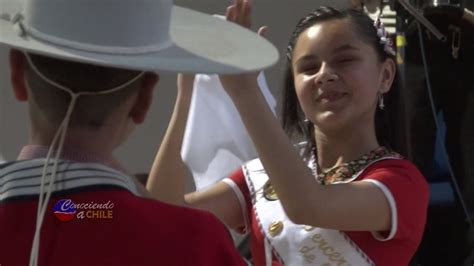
x,y
346,60
310,69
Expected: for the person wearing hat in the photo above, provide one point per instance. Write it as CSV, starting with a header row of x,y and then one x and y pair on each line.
x,y
87,70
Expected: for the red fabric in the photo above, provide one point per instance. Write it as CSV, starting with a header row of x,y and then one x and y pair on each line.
x,y
141,232
410,191
257,239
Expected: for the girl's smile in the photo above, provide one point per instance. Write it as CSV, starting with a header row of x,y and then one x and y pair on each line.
x,y
337,75
329,97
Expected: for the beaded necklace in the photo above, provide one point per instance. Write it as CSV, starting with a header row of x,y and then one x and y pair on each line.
x,y
338,173
347,170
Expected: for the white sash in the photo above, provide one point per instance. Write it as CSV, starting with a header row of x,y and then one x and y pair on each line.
x,y
299,244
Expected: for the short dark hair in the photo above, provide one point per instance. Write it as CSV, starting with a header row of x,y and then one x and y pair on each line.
x,y
90,111
291,112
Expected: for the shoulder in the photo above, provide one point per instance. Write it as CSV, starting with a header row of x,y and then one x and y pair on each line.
x,y
18,165
402,183
173,235
401,178
407,193
180,226
394,168
192,223
157,216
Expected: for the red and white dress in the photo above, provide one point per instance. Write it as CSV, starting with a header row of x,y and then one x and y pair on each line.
x,y
278,241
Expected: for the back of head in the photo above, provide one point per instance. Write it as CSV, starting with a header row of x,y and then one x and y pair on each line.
x,y
90,112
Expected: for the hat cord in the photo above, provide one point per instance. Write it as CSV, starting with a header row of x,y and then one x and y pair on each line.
x,y
61,135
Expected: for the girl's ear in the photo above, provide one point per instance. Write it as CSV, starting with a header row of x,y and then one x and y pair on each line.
x,y
144,99
17,76
389,69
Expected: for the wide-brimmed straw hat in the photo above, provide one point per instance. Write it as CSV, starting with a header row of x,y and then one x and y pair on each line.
x,y
132,34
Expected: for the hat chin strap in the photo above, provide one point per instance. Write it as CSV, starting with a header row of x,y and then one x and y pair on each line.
x,y
60,136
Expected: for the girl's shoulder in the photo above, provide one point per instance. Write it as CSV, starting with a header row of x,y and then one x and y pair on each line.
x,y
395,164
395,171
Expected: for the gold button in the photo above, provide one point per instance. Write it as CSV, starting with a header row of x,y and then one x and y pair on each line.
x,y
269,192
275,228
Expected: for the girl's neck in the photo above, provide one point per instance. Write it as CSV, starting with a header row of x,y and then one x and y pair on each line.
x,y
332,149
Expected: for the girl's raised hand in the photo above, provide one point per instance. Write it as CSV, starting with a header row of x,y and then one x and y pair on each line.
x,y
240,12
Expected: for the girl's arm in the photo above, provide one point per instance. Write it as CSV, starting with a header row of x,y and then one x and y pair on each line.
x,y
168,173
357,206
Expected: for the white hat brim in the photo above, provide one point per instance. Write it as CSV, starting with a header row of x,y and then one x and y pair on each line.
x,y
201,44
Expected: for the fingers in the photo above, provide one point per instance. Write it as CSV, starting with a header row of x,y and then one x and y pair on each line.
x,y
263,31
230,13
240,12
246,11
238,5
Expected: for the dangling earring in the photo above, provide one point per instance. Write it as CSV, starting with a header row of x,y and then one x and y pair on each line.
x,y
381,104
307,121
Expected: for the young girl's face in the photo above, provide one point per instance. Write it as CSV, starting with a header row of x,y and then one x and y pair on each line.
x,y
338,76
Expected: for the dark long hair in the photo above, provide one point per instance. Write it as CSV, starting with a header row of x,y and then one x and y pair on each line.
x,y
291,112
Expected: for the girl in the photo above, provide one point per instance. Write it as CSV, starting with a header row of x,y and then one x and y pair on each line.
x,y
340,198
